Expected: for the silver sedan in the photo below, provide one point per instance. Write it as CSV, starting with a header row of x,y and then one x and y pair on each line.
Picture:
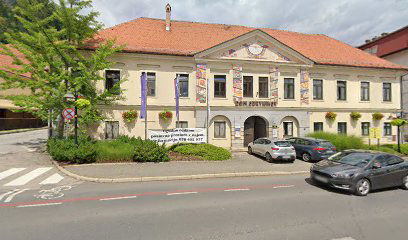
x,y
272,149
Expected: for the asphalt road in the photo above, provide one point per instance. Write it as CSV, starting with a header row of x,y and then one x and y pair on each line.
x,y
280,207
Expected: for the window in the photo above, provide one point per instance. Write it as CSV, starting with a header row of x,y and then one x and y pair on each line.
x,y
263,87
386,92
342,128
365,128
151,84
112,79
181,124
341,90
183,85
248,86
288,129
111,129
219,86
387,129
392,160
317,89
365,91
289,88
318,127
219,129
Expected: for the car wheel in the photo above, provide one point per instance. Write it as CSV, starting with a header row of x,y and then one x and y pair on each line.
x,y
405,183
250,151
362,187
268,157
306,157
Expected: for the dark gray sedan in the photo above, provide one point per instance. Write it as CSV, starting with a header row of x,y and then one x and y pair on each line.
x,y
361,171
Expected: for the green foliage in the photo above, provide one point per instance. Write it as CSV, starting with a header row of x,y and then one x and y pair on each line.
x,y
398,122
149,151
82,103
404,148
355,115
206,151
65,150
341,141
51,55
377,116
331,116
165,115
129,116
114,151
382,148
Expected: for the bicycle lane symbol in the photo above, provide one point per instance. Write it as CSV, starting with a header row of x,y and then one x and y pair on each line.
x,y
53,193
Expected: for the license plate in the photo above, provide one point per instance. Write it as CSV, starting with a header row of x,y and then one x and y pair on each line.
x,y
321,179
329,152
286,157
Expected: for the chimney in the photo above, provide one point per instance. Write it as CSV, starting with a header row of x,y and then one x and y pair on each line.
x,y
168,14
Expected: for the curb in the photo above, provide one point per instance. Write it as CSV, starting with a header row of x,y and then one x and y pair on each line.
x,y
21,130
171,178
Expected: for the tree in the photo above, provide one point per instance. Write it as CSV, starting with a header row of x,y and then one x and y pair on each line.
x,y
399,123
54,58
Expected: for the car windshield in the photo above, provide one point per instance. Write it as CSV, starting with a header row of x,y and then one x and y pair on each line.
x,y
282,144
325,144
358,159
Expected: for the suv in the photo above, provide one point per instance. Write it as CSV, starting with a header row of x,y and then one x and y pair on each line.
x,y
312,149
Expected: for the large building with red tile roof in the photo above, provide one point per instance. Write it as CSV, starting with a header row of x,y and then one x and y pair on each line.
x,y
245,82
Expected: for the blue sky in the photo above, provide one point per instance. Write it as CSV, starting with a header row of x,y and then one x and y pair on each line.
x,y
351,21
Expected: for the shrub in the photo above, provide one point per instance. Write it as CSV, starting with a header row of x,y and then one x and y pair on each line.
x,y
65,150
331,116
382,148
341,141
82,103
149,151
206,151
355,115
404,148
398,122
377,116
114,151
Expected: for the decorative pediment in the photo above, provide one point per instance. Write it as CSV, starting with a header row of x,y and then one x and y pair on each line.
x,y
255,46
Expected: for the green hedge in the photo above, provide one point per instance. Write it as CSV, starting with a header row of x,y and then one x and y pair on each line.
x,y
65,150
114,151
206,151
342,142
149,151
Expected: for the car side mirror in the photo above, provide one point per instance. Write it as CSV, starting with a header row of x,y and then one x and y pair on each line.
x,y
376,166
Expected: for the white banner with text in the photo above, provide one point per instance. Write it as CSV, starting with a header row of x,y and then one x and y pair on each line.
x,y
177,135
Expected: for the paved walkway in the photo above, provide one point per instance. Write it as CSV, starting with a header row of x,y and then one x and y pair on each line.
x,y
241,163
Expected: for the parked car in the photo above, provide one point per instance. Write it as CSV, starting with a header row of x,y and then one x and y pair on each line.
x,y
361,171
272,149
312,149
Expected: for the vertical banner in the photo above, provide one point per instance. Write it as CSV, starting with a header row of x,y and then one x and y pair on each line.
x,y
304,87
201,76
237,82
143,81
274,76
177,94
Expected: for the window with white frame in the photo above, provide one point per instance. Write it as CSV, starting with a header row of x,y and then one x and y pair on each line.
x,y
248,86
387,92
387,129
365,128
365,91
112,79
151,84
181,124
317,89
342,128
183,85
263,87
318,126
289,88
288,129
341,90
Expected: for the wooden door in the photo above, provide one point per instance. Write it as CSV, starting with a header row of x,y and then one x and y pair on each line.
x,y
249,126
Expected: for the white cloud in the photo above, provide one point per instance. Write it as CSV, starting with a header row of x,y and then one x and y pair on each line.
x,y
351,21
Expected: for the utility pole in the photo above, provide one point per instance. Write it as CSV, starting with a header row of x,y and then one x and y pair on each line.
x,y
76,120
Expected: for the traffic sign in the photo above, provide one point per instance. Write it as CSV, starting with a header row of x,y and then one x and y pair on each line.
x,y
375,133
68,113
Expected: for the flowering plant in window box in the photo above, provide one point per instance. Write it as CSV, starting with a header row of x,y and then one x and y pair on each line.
x,y
378,116
355,115
331,116
129,116
165,115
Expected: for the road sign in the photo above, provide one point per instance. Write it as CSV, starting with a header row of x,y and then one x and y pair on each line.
x,y
375,133
68,113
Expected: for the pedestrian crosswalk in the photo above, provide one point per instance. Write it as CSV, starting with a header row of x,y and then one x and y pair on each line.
x,y
19,177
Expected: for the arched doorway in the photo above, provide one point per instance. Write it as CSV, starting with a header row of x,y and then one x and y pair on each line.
x,y
254,127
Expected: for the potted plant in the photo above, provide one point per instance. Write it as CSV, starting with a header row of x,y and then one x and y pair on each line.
x,y
331,116
378,116
355,115
165,115
129,116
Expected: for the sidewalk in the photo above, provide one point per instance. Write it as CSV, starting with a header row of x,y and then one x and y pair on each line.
x,y
242,164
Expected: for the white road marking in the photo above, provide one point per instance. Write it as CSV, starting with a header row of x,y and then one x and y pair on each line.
x,y
7,193
345,238
40,205
28,177
180,193
11,196
56,178
236,189
10,172
288,186
29,149
117,198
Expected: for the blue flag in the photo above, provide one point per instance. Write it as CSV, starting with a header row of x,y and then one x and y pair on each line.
x,y
176,90
143,81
